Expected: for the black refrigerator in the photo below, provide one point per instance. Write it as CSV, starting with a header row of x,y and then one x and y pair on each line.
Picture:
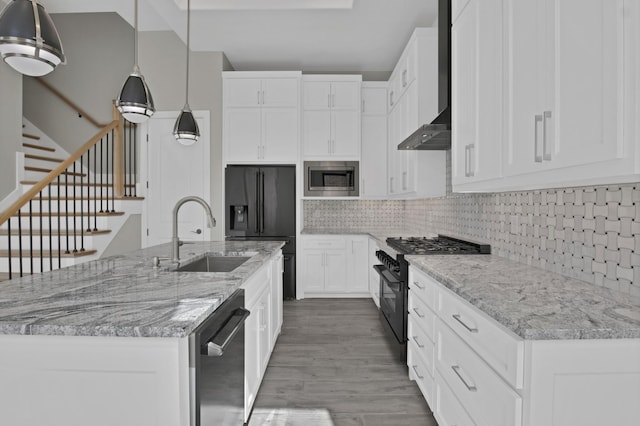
x,y
260,203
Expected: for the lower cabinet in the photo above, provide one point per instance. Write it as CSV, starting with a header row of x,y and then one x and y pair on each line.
x,y
334,266
263,298
472,371
374,278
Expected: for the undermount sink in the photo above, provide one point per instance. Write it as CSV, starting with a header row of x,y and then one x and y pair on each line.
x,y
214,263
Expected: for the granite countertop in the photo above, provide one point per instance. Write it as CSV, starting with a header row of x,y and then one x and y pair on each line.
x,y
534,303
125,295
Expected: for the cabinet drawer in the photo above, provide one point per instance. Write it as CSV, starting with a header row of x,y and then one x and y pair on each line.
x,y
324,243
486,397
422,344
447,410
423,286
502,350
421,373
422,316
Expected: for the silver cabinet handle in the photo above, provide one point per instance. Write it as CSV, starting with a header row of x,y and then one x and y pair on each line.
x,y
415,339
263,97
238,316
537,158
329,100
404,78
456,369
418,312
472,148
415,368
417,284
459,319
546,153
391,184
466,160
404,181
258,93
363,105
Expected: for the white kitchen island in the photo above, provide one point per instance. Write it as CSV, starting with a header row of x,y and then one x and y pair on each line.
x,y
106,342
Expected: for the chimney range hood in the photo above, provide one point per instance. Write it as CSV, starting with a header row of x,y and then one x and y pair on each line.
x,y
437,134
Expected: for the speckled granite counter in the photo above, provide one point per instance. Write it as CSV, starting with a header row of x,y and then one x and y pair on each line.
x,y
380,234
126,296
535,304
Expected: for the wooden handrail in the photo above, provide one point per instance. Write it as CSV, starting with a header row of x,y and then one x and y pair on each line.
x,y
70,103
30,194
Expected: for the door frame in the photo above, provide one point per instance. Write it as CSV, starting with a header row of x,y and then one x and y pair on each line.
x,y
203,118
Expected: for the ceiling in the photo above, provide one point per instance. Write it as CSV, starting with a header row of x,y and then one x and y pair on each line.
x,y
343,36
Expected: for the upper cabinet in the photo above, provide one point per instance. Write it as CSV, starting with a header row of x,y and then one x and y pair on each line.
x,y
476,46
261,116
569,106
373,166
331,116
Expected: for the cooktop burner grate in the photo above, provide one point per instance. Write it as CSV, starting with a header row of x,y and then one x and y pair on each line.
x,y
439,245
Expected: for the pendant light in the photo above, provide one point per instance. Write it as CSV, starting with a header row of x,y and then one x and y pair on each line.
x,y
135,102
186,129
29,41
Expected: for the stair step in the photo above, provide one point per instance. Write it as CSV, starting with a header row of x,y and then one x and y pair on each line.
x,y
30,136
55,232
71,214
39,169
55,198
33,182
43,158
44,148
46,253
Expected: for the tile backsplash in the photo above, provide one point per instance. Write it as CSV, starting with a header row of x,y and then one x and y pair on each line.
x,y
589,233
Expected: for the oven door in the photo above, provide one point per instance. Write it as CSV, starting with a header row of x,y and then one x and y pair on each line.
x,y
392,300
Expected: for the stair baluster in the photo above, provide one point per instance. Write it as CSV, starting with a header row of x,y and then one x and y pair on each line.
x,y
50,234
75,216
20,240
9,245
82,205
59,228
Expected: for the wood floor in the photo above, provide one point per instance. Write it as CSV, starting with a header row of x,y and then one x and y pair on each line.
x,y
331,367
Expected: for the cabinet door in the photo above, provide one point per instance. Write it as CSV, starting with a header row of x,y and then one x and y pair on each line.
x,y
280,134
374,278
526,44
313,270
374,100
586,68
264,330
358,260
336,271
373,167
275,310
242,92
345,133
477,92
280,92
345,95
242,134
316,133
316,95
251,358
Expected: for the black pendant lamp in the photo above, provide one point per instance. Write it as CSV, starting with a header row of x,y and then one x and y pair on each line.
x,y
135,102
186,129
29,41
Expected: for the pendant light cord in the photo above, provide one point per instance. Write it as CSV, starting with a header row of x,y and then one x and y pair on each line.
x,y
135,48
188,40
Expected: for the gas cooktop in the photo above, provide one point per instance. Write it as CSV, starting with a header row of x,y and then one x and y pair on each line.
x,y
442,244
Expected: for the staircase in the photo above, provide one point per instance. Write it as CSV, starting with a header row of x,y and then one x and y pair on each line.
x,y
71,208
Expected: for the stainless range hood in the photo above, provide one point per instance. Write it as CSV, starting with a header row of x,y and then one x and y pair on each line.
x,y
437,134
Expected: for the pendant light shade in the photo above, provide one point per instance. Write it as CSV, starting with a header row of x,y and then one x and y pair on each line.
x,y
186,129
29,41
135,102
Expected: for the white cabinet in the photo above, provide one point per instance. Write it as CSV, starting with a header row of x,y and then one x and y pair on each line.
x,y
373,165
277,269
334,266
331,116
374,278
476,134
261,116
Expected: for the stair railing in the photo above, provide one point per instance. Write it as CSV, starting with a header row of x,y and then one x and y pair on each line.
x,y
69,202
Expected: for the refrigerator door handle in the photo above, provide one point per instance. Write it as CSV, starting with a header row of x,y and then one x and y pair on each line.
x,y
257,202
262,202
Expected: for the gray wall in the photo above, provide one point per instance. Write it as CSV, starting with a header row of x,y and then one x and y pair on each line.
x,y
100,53
163,63
10,126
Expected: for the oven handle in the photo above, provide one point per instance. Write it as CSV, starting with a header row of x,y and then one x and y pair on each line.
x,y
236,320
386,275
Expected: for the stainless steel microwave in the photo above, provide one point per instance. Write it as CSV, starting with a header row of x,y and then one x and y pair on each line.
x,y
331,179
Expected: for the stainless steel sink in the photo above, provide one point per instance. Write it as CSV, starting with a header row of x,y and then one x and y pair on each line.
x,y
214,263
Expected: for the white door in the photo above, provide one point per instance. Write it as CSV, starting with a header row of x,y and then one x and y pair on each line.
x,y
174,171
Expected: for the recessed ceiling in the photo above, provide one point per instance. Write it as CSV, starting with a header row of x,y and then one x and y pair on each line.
x,y
355,36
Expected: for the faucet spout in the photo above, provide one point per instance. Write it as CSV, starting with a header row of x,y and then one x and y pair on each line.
x,y
175,242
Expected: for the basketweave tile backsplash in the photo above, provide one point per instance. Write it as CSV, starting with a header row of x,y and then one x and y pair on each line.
x,y
588,233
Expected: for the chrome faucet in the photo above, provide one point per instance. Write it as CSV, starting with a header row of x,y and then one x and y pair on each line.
x,y
175,242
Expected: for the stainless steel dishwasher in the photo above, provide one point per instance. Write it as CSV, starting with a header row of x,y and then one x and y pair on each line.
x,y
216,366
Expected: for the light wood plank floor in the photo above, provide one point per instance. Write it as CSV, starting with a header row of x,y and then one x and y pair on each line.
x,y
331,367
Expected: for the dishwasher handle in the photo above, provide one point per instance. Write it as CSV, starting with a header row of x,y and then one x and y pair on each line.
x,y
225,335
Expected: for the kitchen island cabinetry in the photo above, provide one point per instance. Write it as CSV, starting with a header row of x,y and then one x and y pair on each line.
x,y
107,342
538,365
261,115
334,266
331,116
